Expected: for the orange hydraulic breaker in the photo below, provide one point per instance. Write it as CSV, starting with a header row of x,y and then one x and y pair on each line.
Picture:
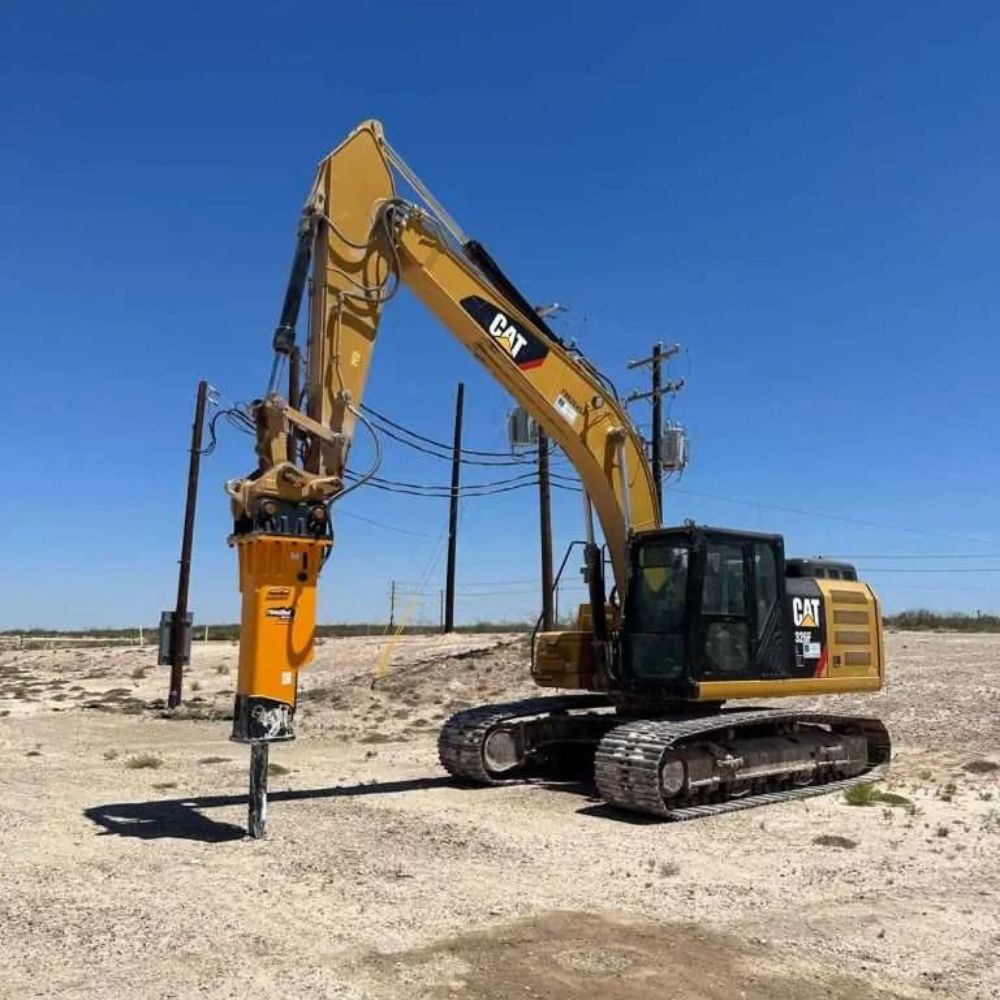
x,y
278,576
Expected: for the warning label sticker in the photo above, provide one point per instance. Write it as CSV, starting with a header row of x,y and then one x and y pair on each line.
x,y
567,410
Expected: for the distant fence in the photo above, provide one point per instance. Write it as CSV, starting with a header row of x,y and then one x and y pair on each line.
x,y
204,634
141,637
34,641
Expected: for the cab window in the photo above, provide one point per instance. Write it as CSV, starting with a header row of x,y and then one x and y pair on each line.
x,y
724,589
656,612
766,575
658,598
726,649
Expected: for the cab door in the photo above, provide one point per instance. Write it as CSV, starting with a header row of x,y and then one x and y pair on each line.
x,y
724,640
741,634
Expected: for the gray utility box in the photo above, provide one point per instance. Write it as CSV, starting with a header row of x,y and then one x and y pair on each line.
x,y
522,431
674,448
166,654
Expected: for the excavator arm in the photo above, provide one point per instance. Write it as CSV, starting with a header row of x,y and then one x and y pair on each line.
x,y
363,242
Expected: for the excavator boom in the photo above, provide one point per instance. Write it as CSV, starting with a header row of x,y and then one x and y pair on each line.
x,y
366,242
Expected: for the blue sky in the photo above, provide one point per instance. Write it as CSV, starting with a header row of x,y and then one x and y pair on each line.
x,y
804,195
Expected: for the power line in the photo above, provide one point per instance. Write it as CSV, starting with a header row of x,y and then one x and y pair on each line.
x,y
480,583
935,569
923,555
836,517
382,524
498,457
439,492
460,596
568,483
504,592
403,587
491,463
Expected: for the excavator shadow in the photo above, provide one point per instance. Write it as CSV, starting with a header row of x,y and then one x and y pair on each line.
x,y
594,807
601,810
185,819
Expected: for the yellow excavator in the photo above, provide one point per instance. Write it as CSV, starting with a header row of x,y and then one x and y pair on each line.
x,y
697,618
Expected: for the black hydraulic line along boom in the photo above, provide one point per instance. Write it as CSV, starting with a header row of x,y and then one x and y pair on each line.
x,y
479,256
284,333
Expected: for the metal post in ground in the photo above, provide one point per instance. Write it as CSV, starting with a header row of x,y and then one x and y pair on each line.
x,y
179,628
456,464
257,810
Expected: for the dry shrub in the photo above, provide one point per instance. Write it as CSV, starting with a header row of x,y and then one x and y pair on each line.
x,y
835,840
143,760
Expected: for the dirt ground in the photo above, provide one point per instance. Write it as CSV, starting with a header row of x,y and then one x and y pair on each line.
x,y
124,870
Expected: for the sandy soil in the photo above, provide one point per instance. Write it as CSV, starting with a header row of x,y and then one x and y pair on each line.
x,y
124,870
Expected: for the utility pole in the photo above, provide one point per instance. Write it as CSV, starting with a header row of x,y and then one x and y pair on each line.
x,y
456,465
656,394
392,603
177,648
657,432
545,506
545,518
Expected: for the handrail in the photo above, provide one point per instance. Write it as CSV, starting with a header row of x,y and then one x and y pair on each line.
x,y
555,584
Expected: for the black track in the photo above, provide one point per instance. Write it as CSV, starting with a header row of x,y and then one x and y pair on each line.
x,y
629,755
628,759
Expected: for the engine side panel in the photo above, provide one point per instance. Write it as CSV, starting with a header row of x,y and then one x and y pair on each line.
x,y
854,642
834,628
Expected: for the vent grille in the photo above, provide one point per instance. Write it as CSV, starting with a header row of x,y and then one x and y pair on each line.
x,y
850,617
858,638
849,596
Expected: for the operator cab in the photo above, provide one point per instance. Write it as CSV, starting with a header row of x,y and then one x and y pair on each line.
x,y
705,604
